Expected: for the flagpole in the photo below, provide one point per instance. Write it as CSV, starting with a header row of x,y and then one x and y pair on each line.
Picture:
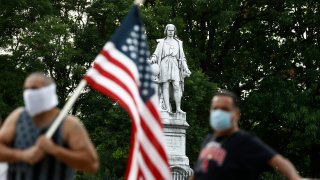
x,y
66,109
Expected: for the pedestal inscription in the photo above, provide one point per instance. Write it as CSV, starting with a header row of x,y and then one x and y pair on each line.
x,y
174,144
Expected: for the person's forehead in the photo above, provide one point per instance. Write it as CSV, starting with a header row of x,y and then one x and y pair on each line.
x,y
221,100
170,28
34,81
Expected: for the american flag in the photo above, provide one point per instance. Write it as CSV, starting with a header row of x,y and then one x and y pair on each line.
x,y
121,72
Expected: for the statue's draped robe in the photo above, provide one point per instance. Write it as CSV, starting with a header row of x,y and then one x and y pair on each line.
x,y
169,67
169,58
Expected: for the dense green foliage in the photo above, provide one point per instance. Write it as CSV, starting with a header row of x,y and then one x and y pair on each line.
x,y
266,51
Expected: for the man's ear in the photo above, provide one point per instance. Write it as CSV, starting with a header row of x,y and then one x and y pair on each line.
x,y
237,115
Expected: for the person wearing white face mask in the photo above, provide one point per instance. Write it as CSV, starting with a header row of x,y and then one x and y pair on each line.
x,y
231,153
29,153
3,165
40,100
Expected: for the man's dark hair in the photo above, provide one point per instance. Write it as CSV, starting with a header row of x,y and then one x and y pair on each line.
x,y
233,96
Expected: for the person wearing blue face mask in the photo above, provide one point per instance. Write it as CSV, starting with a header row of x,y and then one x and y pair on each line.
x,y
231,153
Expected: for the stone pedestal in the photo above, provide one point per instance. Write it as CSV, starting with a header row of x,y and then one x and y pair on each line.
x,y
175,126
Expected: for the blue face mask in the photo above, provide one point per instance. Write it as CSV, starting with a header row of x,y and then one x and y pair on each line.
x,y
220,120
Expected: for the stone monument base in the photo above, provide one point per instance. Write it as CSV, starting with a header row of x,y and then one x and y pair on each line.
x,y
179,161
175,126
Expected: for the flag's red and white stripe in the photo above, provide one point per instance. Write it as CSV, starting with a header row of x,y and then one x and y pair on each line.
x,y
117,76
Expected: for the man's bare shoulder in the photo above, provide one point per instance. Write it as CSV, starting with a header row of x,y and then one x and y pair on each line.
x,y
13,116
7,130
73,125
75,133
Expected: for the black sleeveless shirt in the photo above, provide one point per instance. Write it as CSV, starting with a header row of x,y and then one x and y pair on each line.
x,y
49,168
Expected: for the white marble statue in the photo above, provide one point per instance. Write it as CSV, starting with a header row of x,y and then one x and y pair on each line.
x,y
170,58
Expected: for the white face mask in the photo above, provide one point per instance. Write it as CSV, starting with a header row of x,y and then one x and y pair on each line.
x,y
40,100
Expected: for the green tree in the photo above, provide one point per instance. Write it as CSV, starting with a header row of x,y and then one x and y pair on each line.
x,y
267,52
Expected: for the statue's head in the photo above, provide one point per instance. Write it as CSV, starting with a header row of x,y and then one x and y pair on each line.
x,y
170,30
